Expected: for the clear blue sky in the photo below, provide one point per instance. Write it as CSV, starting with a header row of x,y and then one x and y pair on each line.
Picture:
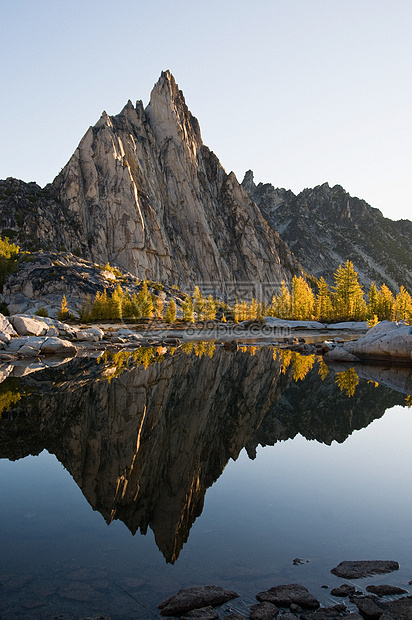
x,y
300,91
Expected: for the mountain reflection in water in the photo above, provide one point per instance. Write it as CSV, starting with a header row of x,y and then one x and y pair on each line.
x,y
145,433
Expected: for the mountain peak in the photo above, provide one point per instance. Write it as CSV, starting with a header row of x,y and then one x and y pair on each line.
x,y
169,115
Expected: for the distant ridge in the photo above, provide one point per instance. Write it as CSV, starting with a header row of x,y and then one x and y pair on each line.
x,y
325,226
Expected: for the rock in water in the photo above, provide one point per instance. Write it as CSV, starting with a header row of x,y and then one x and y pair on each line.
x,y
195,598
286,595
385,590
364,568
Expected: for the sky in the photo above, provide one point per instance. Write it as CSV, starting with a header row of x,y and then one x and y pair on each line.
x,y
302,92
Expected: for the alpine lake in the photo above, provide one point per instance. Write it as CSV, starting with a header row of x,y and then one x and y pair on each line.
x,y
127,477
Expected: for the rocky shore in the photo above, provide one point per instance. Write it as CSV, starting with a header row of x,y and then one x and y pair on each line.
x,y
294,601
28,336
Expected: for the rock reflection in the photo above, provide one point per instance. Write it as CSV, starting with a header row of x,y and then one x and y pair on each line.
x,y
145,433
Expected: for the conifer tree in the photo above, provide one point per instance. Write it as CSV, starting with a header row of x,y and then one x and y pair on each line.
x,y
145,302
171,311
284,302
347,381
115,304
349,301
386,303
236,312
243,314
323,303
403,306
199,304
158,307
372,301
187,310
252,310
63,314
302,300
210,311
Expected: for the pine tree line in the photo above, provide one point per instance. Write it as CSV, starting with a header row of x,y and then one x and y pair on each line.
x,y
345,301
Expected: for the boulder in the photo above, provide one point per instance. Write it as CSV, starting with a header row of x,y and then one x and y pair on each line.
x,y
401,608
275,322
91,334
363,568
52,331
57,346
263,611
353,326
28,351
386,341
344,590
5,337
16,344
195,598
6,327
340,354
27,326
385,590
325,613
368,607
286,595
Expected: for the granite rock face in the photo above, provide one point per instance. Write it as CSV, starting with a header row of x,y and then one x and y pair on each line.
x,y
143,192
41,282
324,226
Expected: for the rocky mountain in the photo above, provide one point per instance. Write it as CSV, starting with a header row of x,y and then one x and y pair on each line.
x,y
108,424
325,226
143,192
42,278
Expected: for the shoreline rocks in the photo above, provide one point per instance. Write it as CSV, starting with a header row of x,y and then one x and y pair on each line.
x,y
364,568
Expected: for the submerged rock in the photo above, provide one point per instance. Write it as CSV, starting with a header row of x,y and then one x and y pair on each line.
x,y
364,568
385,590
195,598
263,611
205,613
287,595
368,607
344,590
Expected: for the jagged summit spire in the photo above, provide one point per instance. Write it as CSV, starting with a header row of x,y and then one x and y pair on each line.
x,y
169,115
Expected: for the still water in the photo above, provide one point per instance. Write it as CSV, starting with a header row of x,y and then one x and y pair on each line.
x,y
124,479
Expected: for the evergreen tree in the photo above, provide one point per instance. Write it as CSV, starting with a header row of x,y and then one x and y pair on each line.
x,y
210,312
158,305
171,311
303,300
145,302
187,310
284,302
372,301
236,312
323,303
115,304
199,304
349,301
403,306
252,311
63,314
8,259
386,303
347,381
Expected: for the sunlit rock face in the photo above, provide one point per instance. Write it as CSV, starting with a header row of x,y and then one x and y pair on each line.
x,y
324,226
143,192
144,444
